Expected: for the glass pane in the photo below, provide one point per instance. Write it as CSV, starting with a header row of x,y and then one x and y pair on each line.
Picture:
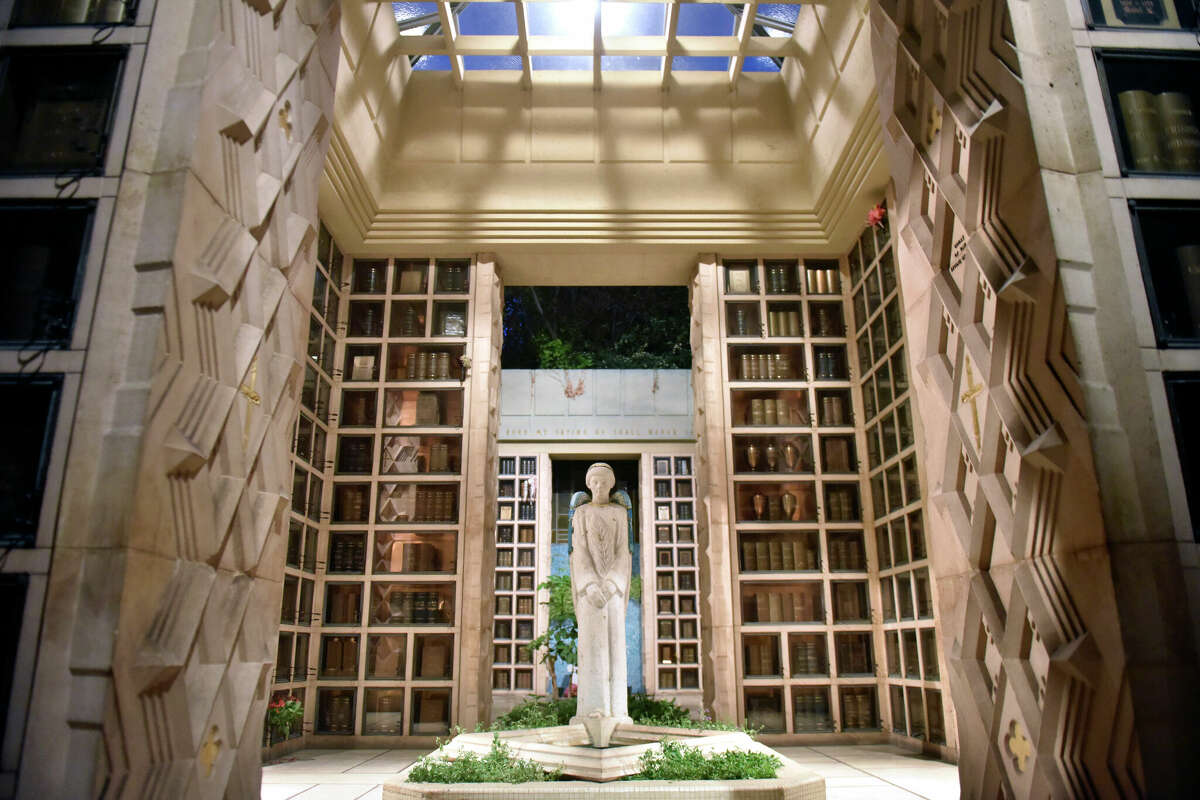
x,y
417,502
23,459
412,603
849,601
385,655
335,711
397,552
410,277
854,654
370,276
383,712
45,249
764,709
760,655
858,708
339,657
55,108
453,277
433,656
1169,239
70,12
808,654
347,552
431,712
810,709
799,601
1154,105
343,603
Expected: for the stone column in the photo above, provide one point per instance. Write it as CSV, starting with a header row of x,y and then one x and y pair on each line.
x,y
1153,560
161,614
481,424
1018,543
718,669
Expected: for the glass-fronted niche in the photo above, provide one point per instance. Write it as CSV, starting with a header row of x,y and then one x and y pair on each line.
x,y
1153,103
1155,14
29,13
26,454
1183,395
399,454
1168,238
56,107
47,245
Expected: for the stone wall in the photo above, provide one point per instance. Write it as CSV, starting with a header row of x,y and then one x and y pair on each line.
x,y
1012,391
160,629
595,404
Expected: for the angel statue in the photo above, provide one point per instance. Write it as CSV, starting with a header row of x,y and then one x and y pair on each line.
x,y
601,562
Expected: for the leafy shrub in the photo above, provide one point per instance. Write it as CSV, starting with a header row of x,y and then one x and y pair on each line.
x,y
497,766
645,710
536,713
539,712
678,762
557,354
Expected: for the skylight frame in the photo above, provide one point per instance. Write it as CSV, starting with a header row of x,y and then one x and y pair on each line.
x,y
756,37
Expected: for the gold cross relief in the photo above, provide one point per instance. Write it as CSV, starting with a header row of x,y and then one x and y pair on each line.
x,y
255,399
285,119
971,395
935,124
209,751
1019,746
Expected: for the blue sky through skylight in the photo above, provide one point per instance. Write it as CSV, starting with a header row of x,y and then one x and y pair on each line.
x,y
576,18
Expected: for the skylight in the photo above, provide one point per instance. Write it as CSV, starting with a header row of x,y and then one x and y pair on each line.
x,y
570,35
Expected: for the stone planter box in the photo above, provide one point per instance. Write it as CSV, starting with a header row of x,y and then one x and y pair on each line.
x,y
566,747
793,783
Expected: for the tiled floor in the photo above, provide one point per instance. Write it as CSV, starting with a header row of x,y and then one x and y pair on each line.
x,y
851,772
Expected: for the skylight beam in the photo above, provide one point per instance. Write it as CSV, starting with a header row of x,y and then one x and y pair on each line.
x,y
419,22
597,49
669,42
745,26
450,31
523,44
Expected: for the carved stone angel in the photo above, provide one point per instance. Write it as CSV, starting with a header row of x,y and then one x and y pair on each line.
x,y
601,563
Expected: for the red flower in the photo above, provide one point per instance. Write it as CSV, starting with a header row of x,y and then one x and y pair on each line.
x,y
876,215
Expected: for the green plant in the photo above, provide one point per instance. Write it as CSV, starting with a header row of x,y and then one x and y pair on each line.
x,y
557,354
635,587
536,712
678,762
646,710
497,766
283,713
666,714
560,641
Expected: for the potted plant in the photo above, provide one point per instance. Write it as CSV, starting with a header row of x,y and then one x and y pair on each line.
x,y
283,714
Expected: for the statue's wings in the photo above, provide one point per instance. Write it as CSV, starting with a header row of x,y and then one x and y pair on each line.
x,y
621,497
577,499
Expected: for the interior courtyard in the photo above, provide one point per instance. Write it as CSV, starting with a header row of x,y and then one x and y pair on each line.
x,y
916,495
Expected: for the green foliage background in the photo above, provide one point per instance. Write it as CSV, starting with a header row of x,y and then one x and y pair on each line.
x,y
596,327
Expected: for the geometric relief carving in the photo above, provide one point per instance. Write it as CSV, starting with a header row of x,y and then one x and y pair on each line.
x,y
1019,501
195,649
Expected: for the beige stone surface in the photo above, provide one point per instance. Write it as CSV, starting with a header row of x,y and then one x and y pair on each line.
x,y
1011,398
481,422
152,678
719,674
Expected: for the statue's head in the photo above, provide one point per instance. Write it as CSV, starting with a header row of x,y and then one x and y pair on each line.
x,y
600,479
